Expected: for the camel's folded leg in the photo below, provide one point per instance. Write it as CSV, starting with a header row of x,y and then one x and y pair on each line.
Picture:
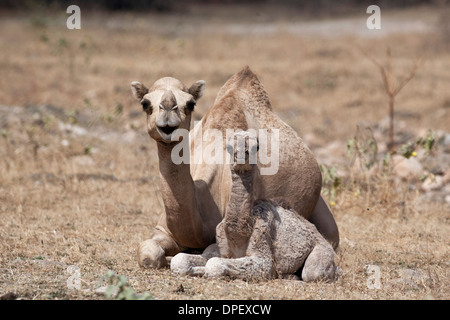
x,y
193,264
250,267
152,252
320,266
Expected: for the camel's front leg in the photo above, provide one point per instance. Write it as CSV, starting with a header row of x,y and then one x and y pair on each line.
x,y
250,267
152,252
193,264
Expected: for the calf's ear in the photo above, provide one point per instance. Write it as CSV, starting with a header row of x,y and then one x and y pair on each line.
x,y
138,90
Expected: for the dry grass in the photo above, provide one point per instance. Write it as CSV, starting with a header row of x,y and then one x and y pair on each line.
x,y
88,198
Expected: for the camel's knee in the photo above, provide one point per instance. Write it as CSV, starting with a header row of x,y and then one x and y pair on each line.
x,y
151,254
324,221
188,264
320,266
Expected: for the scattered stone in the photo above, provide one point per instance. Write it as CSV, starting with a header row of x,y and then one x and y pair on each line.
x,y
432,182
437,163
446,177
407,168
65,143
101,291
447,199
350,243
72,129
83,161
180,289
9,296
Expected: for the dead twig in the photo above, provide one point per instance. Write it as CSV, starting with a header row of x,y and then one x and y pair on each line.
x,y
391,89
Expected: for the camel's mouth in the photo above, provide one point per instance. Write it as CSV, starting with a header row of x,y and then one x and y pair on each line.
x,y
166,132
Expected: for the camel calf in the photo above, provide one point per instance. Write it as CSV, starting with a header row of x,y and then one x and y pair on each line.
x,y
259,239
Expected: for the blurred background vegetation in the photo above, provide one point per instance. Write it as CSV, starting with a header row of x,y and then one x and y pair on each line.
x,y
79,176
311,6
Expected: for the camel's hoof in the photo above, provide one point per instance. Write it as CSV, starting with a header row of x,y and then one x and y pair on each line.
x,y
151,255
184,264
179,265
215,268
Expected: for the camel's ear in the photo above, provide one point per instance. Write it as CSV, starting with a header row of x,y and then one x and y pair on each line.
x,y
139,90
197,89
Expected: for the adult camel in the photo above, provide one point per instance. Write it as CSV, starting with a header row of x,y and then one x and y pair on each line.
x,y
196,193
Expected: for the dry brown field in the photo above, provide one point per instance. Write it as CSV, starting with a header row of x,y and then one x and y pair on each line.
x,y
79,180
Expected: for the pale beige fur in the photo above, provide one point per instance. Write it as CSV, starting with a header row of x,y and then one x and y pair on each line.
x,y
259,238
196,195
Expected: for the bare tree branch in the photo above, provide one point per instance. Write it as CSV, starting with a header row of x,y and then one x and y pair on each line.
x,y
391,89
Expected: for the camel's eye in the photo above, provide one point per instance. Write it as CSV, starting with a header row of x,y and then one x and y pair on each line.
x,y
146,106
190,105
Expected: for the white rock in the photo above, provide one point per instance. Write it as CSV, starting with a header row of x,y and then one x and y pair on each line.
x,y
72,129
407,168
83,160
446,177
432,182
447,199
102,290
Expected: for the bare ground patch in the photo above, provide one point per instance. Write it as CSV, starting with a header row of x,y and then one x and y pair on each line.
x,y
79,179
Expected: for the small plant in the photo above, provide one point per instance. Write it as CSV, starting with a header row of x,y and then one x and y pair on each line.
x,y
88,149
428,142
118,110
363,146
69,51
31,133
408,150
71,116
331,182
120,289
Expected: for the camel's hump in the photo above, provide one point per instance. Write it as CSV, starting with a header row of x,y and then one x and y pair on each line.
x,y
241,79
245,81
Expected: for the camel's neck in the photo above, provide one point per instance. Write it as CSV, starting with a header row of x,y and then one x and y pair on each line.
x,y
242,184
240,205
171,172
178,192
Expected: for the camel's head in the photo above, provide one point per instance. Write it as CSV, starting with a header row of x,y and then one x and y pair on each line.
x,y
168,104
243,147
